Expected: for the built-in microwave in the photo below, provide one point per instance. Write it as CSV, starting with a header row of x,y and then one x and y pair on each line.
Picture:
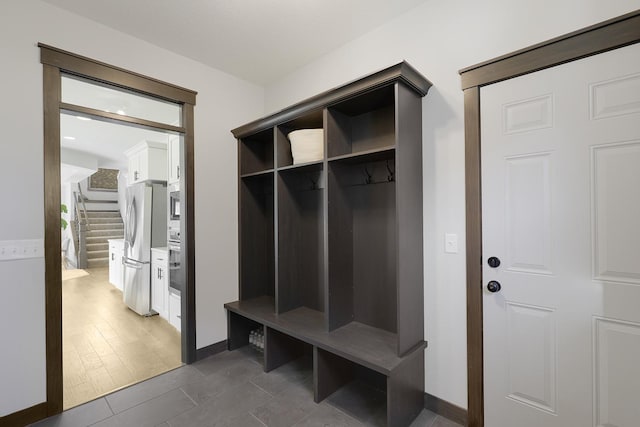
x,y
174,206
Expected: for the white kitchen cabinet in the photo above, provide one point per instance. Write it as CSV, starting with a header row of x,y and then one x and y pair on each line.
x,y
116,271
147,161
160,282
175,310
173,160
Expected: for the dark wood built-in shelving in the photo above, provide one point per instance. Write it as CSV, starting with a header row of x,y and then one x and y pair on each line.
x,y
330,251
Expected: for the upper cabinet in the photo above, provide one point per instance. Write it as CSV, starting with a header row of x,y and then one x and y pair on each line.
x,y
173,160
147,162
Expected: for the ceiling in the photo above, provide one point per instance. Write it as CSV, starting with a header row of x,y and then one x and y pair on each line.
x,y
106,141
257,40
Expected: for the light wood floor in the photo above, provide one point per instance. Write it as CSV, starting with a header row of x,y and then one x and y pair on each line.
x,y
106,346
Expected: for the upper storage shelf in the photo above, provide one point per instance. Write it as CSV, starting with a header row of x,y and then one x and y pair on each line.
x,y
256,153
402,72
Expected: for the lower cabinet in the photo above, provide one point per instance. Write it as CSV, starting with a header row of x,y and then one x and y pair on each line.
x,y
160,282
175,309
116,271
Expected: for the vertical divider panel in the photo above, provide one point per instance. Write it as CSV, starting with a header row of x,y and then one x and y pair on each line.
x,y
405,391
276,230
409,261
326,119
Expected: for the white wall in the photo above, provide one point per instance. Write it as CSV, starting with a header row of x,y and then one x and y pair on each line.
x,y
223,103
439,38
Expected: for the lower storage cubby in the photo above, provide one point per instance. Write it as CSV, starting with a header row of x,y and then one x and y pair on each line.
x,y
393,400
281,349
373,388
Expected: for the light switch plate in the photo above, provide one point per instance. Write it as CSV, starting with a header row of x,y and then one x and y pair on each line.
x,y
21,249
451,243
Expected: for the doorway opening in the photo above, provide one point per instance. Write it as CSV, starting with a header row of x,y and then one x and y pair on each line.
x,y
104,127
113,336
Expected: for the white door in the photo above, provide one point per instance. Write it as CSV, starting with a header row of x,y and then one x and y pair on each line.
x,y
561,211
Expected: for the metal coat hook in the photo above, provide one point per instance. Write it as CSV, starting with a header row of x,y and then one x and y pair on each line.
x,y
391,175
368,179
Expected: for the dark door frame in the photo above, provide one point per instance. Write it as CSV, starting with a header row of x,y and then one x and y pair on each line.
x,y
55,63
599,38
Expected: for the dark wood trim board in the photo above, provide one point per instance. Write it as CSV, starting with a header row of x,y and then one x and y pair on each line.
x,y
599,38
112,75
210,350
25,416
55,62
187,225
445,409
52,238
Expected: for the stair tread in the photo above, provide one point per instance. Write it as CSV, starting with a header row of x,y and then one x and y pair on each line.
x,y
104,225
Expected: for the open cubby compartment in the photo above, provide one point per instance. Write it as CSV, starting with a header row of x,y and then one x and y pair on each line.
x,y
311,120
363,123
257,245
256,152
391,399
362,241
300,263
281,349
239,329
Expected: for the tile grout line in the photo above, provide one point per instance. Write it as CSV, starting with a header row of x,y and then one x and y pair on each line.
x,y
109,405
186,410
189,397
259,420
257,386
341,411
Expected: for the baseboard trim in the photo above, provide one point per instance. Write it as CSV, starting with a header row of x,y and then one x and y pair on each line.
x,y
445,409
26,416
210,350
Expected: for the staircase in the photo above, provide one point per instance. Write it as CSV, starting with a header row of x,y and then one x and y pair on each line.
x,y
104,225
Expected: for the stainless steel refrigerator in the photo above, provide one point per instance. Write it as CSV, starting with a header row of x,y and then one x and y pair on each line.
x,y
145,227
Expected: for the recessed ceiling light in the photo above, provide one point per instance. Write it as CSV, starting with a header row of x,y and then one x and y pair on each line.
x,y
70,138
121,112
83,118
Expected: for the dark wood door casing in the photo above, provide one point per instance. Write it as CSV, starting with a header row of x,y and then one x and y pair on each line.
x,y
55,63
605,36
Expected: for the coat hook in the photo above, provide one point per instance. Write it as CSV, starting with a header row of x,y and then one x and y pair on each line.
x,y
368,179
391,175
314,184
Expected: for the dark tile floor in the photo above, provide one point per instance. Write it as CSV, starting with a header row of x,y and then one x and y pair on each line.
x,y
230,389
